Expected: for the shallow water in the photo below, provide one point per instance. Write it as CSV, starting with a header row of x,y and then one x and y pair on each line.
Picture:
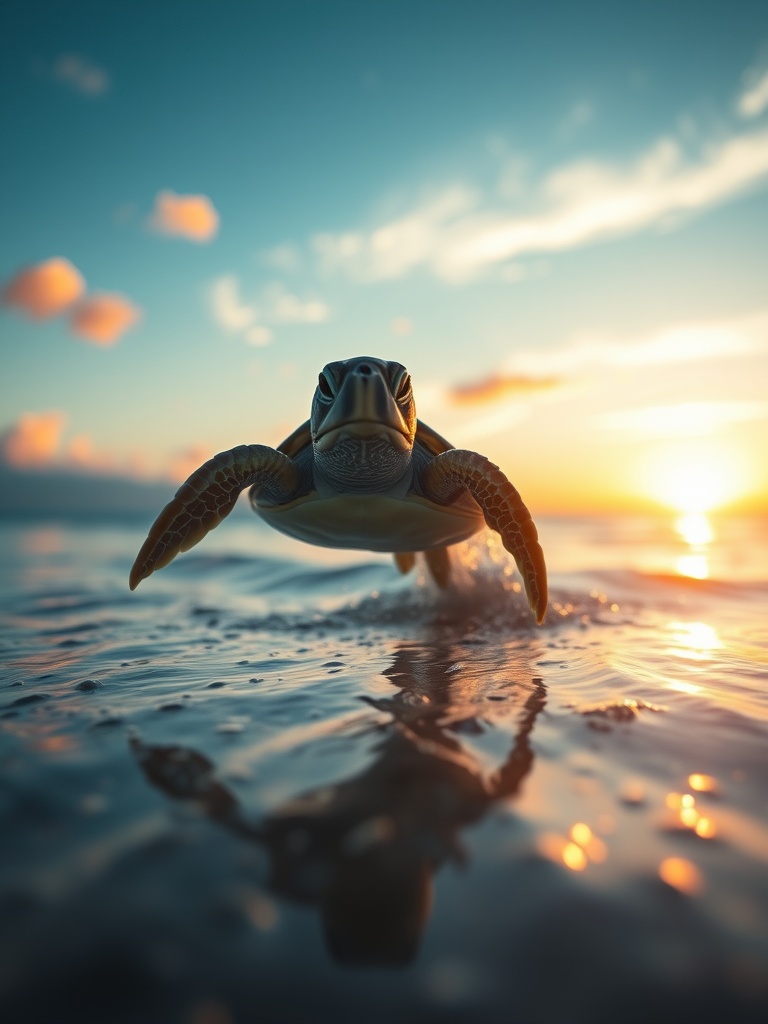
x,y
279,783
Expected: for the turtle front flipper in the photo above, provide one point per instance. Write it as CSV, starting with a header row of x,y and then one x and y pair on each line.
x,y
448,474
207,497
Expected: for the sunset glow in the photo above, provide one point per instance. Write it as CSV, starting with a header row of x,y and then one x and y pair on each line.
x,y
214,258
695,480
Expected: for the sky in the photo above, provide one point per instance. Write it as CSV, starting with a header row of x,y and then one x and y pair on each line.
x,y
554,214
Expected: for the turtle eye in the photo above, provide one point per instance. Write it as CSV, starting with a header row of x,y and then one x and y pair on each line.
x,y
324,386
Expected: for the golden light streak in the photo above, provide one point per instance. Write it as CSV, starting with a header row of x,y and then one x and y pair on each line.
x,y
581,833
574,857
689,816
682,875
705,828
702,783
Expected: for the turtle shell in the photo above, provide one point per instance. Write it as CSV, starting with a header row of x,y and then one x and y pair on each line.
x,y
373,522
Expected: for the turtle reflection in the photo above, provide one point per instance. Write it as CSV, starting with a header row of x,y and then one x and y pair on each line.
x,y
364,850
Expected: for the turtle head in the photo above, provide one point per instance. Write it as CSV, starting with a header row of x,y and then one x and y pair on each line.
x,y
363,424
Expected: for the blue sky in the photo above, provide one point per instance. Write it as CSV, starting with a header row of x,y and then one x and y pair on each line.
x,y
563,204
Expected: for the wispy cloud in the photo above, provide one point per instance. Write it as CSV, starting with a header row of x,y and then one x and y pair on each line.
x,y
399,246
686,419
454,236
190,216
103,318
584,373
754,100
675,343
277,306
286,308
227,306
499,386
80,74
234,315
45,289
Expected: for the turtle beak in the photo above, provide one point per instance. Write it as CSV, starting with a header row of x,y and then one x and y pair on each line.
x,y
364,407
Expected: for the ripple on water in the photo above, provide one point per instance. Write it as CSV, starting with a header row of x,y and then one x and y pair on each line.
x,y
335,757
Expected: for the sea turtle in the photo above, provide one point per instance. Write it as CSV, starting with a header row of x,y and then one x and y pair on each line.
x,y
362,472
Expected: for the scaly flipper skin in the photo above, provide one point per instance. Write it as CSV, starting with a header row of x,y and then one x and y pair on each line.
x,y
207,497
448,474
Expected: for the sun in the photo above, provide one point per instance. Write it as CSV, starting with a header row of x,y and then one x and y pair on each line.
x,y
694,479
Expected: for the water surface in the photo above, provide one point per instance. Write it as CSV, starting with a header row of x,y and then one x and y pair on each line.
x,y
280,783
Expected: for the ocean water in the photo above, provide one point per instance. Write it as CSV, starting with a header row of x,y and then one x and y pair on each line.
x,y
284,784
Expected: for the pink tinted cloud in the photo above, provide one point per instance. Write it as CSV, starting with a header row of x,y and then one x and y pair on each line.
x,y
104,317
34,439
37,441
499,386
45,289
193,216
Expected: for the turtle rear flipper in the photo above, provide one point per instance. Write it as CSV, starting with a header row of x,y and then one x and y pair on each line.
x,y
207,497
405,561
443,480
439,564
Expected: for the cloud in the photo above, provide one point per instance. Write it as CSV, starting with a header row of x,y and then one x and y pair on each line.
x,y
277,306
395,248
45,289
286,258
590,373
81,454
686,419
454,237
193,216
754,100
80,74
499,386
34,439
234,315
285,308
227,307
104,317
694,341
80,450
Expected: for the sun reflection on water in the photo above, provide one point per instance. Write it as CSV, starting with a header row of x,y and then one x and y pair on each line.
x,y
695,529
694,641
